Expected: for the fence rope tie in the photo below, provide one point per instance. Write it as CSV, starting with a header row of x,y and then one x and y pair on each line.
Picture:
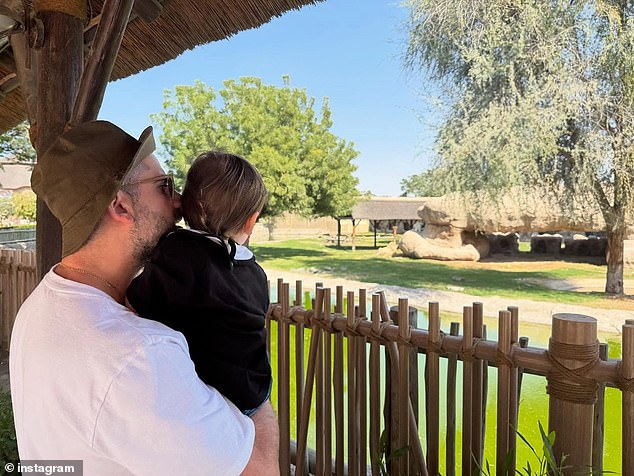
x,y
469,354
377,334
324,322
436,346
407,338
351,329
579,389
270,312
501,358
288,317
624,383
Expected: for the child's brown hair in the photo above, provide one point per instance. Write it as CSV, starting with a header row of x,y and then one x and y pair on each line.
x,y
221,193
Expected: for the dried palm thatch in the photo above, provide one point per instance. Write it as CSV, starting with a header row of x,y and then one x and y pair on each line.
x,y
182,25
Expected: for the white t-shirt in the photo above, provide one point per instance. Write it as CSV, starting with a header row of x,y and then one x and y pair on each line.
x,y
92,381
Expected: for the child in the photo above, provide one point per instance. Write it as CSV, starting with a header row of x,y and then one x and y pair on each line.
x,y
205,284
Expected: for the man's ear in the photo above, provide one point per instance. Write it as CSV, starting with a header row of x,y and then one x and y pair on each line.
x,y
121,208
250,224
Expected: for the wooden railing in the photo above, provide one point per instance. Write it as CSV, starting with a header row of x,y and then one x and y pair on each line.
x,y
575,366
17,280
351,395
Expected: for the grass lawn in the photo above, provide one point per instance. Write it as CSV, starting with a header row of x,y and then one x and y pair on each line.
x,y
517,277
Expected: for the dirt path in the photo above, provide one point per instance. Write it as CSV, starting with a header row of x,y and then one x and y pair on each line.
x,y
609,321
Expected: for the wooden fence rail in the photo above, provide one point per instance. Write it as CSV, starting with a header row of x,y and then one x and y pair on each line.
x,y
575,372
17,280
358,387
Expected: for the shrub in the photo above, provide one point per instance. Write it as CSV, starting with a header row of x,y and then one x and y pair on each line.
x,y
8,442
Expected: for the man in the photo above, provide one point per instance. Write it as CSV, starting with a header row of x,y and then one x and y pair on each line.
x,y
91,380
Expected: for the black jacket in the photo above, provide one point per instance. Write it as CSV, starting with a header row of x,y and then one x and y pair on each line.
x,y
195,285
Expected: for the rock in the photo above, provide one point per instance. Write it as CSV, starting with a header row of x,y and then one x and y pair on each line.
x,y
416,246
389,251
517,210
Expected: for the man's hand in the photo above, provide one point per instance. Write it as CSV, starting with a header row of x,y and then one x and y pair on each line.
x,y
266,447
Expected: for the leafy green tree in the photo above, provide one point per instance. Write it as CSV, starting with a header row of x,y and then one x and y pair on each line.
x,y
24,204
16,145
430,183
306,168
6,209
540,93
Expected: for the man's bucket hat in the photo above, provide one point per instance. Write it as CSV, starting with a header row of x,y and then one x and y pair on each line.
x,y
80,174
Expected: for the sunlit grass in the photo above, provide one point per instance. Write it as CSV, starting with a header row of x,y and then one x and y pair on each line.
x,y
520,277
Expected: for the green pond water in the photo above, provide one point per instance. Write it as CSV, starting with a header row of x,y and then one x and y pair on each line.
x,y
533,400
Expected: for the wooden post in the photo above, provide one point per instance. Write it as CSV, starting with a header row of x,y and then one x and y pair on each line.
x,y
338,386
315,344
452,363
114,19
412,364
514,394
362,383
375,388
432,390
59,66
327,382
404,370
573,346
477,443
467,387
283,381
504,392
599,420
628,400
353,423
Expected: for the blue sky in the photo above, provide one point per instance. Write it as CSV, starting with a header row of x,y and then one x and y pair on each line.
x,y
347,50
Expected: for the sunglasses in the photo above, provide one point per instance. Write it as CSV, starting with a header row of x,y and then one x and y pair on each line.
x,y
167,183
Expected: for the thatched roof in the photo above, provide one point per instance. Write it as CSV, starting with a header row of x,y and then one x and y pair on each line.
x,y
388,208
182,25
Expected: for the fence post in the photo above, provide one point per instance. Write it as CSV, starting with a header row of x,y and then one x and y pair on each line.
x,y
412,316
628,399
573,349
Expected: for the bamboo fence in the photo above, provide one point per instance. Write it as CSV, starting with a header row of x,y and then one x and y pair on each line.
x,y
381,425
359,385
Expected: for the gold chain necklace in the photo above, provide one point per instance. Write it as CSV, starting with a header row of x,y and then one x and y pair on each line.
x,y
92,275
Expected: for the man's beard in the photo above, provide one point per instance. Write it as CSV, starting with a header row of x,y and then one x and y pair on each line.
x,y
148,228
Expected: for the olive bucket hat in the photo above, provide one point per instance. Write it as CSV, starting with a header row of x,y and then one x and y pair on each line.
x,y
80,174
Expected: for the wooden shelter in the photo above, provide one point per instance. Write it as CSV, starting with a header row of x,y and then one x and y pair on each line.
x,y
379,209
57,56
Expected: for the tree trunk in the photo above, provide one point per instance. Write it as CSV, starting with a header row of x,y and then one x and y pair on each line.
x,y
614,278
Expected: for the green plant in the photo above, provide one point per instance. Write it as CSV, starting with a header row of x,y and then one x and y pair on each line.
x,y
8,442
548,465
385,457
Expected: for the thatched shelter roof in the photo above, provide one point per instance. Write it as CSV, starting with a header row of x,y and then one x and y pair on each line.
x,y
388,208
181,25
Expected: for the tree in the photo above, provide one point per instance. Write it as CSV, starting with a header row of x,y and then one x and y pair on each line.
x,y
24,204
16,145
539,93
306,168
430,183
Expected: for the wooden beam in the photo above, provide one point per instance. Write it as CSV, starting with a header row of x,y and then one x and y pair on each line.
x,y
25,65
114,19
59,66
